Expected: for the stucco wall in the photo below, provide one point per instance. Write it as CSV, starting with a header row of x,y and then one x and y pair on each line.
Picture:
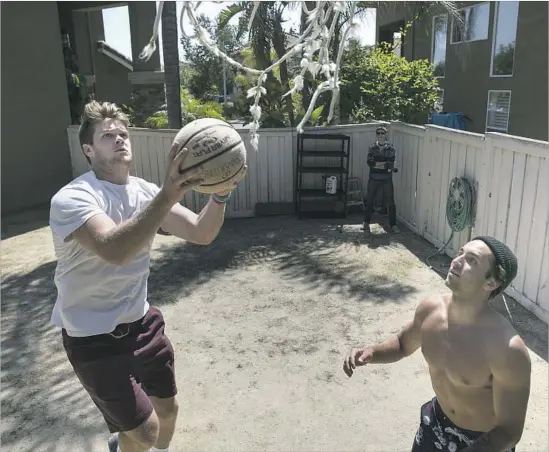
x,y
467,74
35,106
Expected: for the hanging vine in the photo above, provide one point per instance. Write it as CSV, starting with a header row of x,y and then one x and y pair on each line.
x,y
312,45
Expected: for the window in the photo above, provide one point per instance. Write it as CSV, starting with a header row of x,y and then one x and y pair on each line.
x,y
472,24
497,111
397,43
439,104
438,52
504,38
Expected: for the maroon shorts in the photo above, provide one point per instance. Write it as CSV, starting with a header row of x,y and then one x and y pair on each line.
x,y
121,372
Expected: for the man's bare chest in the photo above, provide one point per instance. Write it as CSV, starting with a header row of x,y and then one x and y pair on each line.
x,y
460,356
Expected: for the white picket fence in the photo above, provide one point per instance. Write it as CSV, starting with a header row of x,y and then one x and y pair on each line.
x,y
271,171
511,177
510,174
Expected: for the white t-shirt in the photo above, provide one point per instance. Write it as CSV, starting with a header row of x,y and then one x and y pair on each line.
x,y
93,295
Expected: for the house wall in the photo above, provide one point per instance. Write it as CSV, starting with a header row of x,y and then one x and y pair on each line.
x,y
111,78
112,83
467,74
529,83
35,106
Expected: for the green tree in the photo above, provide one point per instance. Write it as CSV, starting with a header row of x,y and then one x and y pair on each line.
x,y
273,107
352,71
266,35
381,86
203,74
343,21
191,108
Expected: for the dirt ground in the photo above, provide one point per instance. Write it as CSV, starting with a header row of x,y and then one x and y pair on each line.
x,y
260,321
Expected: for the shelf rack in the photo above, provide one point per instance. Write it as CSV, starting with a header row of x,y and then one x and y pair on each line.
x,y
308,149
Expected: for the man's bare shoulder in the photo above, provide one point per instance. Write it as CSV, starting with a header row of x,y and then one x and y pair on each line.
x,y
504,341
431,305
510,363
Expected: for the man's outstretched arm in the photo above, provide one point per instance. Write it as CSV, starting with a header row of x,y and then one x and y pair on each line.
x,y
397,347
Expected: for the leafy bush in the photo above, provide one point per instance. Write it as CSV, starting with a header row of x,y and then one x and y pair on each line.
x,y
378,85
191,109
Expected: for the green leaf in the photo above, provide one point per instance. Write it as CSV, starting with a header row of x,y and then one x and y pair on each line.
x,y
316,114
228,13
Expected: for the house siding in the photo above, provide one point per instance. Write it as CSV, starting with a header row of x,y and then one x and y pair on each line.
x,y
467,73
35,106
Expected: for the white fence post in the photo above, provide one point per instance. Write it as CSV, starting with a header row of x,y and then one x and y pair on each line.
x,y
484,185
425,177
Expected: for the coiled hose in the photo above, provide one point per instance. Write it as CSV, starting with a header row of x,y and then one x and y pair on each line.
x,y
460,207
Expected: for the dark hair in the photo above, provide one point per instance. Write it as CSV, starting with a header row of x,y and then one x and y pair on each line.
x,y
500,275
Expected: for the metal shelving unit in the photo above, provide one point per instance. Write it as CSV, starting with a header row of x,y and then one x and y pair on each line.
x,y
307,148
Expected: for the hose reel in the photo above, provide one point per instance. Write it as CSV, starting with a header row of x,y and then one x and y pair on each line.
x,y
460,208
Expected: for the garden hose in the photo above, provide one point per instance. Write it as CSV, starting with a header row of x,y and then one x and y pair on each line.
x,y
460,206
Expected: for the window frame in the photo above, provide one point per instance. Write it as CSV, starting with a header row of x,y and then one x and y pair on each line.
x,y
441,96
433,43
487,128
494,37
452,42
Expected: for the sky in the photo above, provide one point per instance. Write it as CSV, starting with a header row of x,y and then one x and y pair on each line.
x,y
117,25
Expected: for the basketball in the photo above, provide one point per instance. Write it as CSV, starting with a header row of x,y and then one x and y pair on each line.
x,y
218,147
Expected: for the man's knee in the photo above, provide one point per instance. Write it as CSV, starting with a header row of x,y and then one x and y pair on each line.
x,y
146,434
165,408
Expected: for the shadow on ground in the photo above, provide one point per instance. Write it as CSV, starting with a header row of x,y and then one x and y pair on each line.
x,y
306,250
27,221
40,395
39,391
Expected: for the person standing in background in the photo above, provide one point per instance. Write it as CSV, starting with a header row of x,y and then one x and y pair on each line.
x,y
381,160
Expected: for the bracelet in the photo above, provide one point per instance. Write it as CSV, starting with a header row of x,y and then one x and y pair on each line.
x,y
221,199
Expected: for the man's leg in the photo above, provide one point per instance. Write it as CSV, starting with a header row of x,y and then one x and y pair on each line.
x,y
166,410
390,193
104,367
373,188
156,371
381,202
142,438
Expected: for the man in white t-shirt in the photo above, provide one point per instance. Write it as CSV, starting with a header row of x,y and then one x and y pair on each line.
x,y
103,225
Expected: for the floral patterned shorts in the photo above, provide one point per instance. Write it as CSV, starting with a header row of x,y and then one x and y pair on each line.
x,y
437,433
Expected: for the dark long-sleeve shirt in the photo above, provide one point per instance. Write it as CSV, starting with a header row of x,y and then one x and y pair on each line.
x,y
381,160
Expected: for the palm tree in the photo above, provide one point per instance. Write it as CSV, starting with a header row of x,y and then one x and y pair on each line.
x,y
342,20
170,53
265,33
267,23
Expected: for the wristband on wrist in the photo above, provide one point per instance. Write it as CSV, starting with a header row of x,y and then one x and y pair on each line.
x,y
218,199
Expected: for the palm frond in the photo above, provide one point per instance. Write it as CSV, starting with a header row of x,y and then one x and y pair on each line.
x,y
413,9
226,15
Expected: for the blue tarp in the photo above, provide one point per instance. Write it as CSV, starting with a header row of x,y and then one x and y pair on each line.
x,y
450,120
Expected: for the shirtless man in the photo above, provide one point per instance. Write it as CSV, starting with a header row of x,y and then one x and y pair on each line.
x,y
479,366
